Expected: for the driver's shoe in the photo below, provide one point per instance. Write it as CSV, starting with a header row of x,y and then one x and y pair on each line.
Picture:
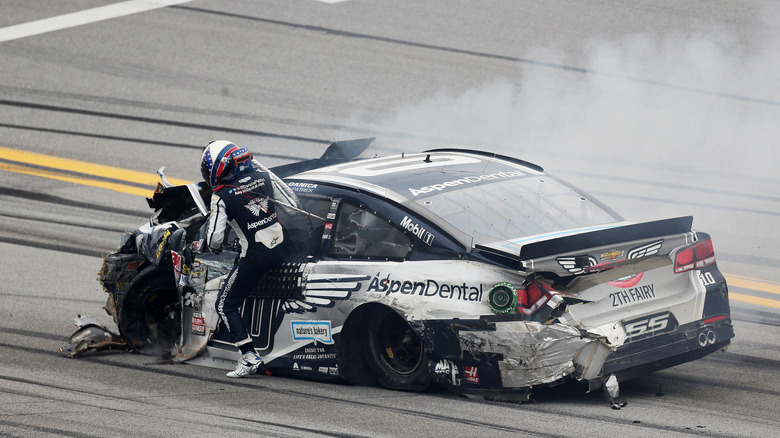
x,y
247,365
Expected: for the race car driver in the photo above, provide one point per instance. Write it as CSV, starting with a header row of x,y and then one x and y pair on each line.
x,y
242,197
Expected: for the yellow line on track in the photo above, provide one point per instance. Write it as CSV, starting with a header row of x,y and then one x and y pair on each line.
x,y
754,300
752,283
117,187
22,158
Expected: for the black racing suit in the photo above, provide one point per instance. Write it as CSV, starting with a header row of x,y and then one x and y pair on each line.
x,y
244,204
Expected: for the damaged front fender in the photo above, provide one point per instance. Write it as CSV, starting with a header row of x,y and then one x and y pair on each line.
x,y
91,336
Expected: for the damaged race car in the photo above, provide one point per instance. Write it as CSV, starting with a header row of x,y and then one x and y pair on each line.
x,y
476,271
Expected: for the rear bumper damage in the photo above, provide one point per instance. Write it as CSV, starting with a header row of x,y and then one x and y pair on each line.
x,y
690,341
516,356
534,354
505,355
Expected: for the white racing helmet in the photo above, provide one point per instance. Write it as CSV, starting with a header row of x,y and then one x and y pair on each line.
x,y
222,161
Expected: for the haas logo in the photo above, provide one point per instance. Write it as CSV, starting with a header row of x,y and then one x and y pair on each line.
x,y
471,374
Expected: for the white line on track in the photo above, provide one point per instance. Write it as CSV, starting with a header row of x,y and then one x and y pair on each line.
x,y
83,17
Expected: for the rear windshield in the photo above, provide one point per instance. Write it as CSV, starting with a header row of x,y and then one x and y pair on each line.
x,y
507,209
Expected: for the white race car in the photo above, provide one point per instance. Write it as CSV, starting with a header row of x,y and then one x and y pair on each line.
x,y
474,270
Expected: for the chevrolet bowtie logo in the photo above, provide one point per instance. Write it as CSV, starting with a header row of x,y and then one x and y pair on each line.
x,y
612,255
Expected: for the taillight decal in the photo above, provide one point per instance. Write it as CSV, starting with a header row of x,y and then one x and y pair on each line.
x,y
530,299
695,256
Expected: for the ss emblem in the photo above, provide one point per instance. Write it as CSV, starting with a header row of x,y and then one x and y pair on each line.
x,y
647,325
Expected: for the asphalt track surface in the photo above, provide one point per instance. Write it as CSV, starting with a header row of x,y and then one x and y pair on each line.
x,y
659,108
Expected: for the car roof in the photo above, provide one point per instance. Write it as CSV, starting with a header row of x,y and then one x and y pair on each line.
x,y
415,180
414,176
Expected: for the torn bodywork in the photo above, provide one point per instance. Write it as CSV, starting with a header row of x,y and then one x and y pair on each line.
x,y
91,336
515,356
534,354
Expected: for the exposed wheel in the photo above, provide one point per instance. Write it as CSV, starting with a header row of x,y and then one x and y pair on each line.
x,y
150,317
395,353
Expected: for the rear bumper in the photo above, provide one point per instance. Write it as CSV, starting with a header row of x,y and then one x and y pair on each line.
x,y
689,342
504,355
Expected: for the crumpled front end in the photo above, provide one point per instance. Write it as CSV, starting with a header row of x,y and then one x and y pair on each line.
x,y
91,336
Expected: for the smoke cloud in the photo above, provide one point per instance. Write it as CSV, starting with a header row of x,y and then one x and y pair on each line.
x,y
656,126
691,101
700,112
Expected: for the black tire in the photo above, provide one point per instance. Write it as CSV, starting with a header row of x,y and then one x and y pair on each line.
x,y
394,352
150,316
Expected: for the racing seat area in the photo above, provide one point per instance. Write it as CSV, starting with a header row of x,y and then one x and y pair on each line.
x,y
360,233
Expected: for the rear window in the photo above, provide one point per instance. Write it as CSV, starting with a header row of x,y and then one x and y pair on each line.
x,y
512,208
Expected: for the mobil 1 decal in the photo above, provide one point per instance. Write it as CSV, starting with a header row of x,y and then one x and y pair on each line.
x,y
414,228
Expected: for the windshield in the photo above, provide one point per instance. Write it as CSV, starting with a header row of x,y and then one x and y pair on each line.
x,y
513,208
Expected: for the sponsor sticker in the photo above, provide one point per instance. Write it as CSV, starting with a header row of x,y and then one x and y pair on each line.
x,y
611,255
261,222
426,288
627,282
257,206
419,232
465,180
317,331
248,187
445,367
448,368
302,187
650,325
198,324
314,353
706,278
176,259
190,299
471,374
632,295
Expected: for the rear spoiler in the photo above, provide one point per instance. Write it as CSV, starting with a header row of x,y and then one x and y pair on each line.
x,y
338,152
644,230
